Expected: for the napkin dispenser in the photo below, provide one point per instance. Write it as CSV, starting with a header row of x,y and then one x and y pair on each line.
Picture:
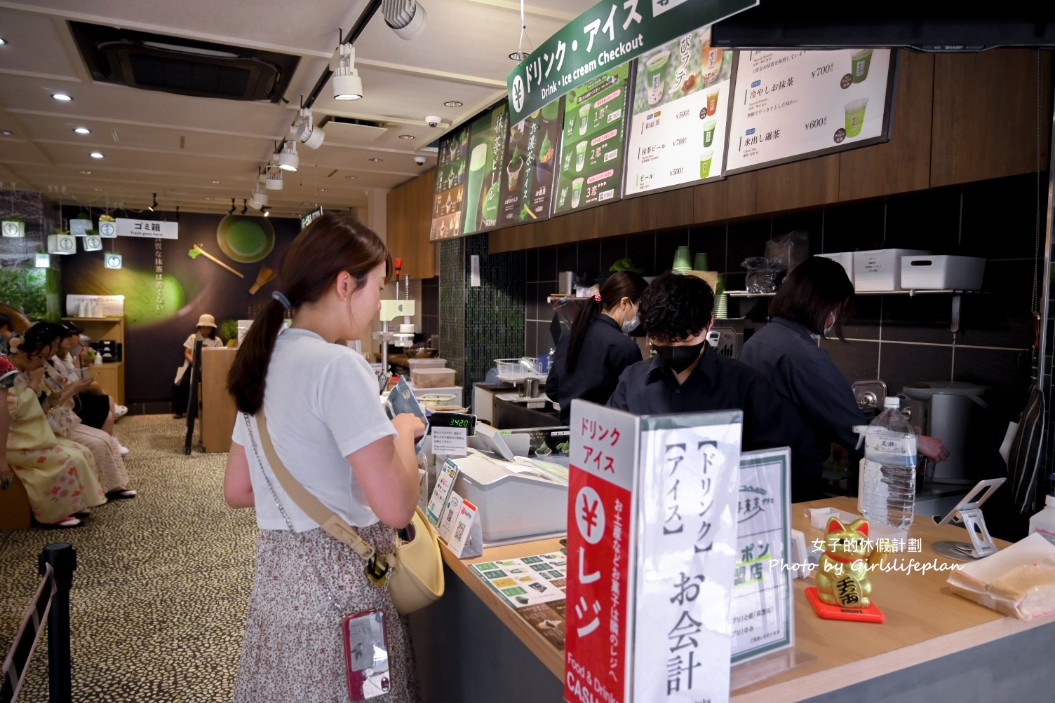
x,y
515,502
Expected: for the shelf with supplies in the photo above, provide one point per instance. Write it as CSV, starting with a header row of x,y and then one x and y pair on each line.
x,y
954,293
110,374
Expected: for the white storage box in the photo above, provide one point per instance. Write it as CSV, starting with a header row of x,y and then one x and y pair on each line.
x,y
878,270
514,502
844,259
942,272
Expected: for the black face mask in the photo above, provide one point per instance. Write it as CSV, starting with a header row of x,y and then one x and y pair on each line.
x,y
680,358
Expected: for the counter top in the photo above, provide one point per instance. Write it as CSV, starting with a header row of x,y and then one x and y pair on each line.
x,y
924,620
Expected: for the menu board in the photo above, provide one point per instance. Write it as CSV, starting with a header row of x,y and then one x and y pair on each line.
x,y
449,192
527,176
789,105
591,154
483,181
680,113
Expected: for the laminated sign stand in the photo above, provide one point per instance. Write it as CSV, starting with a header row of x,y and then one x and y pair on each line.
x,y
652,552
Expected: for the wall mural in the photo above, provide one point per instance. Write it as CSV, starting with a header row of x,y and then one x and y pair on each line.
x,y
223,265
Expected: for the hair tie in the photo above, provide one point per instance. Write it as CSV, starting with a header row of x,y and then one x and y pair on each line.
x,y
282,299
597,297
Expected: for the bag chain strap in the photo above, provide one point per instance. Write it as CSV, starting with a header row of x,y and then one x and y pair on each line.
x,y
289,523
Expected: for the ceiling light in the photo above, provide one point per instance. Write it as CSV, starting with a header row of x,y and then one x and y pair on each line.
x,y
518,56
2,41
82,130
287,158
231,211
352,178
215,182
407,137
258,199
346,82
310,135
453,103
267,213
245,206
96,155
62,97
85,173
273,180
153,206
375,159
7,132
405,17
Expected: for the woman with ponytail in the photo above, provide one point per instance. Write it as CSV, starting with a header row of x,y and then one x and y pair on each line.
x,y
591,356
331,433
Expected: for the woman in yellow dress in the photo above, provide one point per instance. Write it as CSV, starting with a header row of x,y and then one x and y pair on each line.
x,y
58,474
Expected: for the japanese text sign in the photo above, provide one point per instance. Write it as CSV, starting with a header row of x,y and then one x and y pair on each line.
x,y
608,34
147,229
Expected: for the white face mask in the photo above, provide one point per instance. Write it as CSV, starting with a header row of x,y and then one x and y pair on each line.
x,y
631,325
829,328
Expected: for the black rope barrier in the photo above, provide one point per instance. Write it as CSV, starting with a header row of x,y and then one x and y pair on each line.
x,y
56,564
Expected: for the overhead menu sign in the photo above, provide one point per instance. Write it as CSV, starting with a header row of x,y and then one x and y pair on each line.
x,y
530,164
789,105
680,110
608,34
591,155
449,193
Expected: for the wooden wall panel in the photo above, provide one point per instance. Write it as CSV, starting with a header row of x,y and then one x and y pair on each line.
x,y
797,185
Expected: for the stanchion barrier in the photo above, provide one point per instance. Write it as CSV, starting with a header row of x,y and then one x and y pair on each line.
x,y
57,562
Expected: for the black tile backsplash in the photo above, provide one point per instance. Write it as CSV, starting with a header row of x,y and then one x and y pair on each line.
x,y
850,226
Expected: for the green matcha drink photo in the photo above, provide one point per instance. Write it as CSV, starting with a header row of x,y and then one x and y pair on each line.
x,y
477,161
655,75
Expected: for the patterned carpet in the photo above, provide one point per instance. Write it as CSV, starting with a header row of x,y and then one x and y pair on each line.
x,y
162,583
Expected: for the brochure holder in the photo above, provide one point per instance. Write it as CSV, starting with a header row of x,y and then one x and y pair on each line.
x,y
968,513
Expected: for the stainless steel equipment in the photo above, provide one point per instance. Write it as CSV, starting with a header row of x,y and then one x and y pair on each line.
x,y
945,409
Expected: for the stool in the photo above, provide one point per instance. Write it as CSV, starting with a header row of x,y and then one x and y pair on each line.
x,y
15,512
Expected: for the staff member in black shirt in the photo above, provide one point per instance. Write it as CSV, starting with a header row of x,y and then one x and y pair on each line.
x,y
685,375
591,356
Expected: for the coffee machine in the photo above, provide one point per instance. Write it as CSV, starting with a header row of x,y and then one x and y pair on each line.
x,y
944,409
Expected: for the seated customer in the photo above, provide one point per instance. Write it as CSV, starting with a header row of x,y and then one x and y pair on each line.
x,y
58,474
92,404
593,354
686,375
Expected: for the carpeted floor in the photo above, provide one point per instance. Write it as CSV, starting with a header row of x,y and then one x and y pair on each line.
x,y
162,582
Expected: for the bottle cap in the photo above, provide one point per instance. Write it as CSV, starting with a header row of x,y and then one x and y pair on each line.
x,y
892,401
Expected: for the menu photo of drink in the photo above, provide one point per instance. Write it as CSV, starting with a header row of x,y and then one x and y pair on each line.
x,y
449,193
790,105
487,143
530,157
591,155
680,113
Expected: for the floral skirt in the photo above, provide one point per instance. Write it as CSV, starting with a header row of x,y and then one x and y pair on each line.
x,y
293,648
60,480
109,466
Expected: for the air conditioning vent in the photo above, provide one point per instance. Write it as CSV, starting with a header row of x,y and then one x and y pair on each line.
x,y
182,66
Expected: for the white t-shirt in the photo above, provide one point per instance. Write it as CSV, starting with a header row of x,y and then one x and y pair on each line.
x,y
322,404
205,342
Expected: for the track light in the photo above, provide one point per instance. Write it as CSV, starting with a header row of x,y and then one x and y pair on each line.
x,y
267,213
154,204
405,17
273,180
346,82
258,199
310,135
231,211
245,206
287,158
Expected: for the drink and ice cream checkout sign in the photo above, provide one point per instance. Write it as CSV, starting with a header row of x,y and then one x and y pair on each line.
x,y
652,551
789,105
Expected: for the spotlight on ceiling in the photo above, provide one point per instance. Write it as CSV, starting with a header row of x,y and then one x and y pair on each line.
x,y
258,199
267,213
273,179
309,135
231,211
154,205
287,158
346,82
405,17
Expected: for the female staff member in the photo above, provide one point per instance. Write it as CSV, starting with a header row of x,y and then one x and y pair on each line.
x,y
341,449
813,301
206,334
591,356
58,475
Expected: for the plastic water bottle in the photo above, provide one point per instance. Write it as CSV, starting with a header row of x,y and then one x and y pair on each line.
x,y
1043,522
888,471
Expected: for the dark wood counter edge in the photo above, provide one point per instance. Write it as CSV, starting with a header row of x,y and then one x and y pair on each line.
x,y
551,657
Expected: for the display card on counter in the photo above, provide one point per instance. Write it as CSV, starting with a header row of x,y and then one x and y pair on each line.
x,y
762,612
466,538
487,143
527,175
591,154
526,581
449,192
446,475
791,105
679,114
448,517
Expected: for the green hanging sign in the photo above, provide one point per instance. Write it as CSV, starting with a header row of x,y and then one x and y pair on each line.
x,y
608,34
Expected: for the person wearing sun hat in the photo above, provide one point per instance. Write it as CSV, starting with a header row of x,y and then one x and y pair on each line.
x,y
206,334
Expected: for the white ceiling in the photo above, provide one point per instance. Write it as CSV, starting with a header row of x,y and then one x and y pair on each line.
x,y
198,153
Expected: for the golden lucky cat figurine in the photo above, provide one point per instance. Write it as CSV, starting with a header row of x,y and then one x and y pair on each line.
x,y
843,569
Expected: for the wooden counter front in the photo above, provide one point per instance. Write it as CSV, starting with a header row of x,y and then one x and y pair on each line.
x,y
217,405
925,622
